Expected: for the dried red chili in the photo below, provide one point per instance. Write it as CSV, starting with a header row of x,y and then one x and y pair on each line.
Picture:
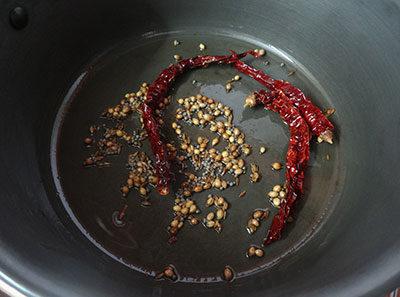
x,y
318,122
297,155
156,93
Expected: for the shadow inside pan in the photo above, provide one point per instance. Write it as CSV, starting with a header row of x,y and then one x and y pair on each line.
x,y
92,195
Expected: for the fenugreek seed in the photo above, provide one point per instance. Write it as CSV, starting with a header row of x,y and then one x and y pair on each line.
x,y
220,214
261,52
220,201
174,223
236,131
180,225
228,274
125,190
130,182
187,193
194,221
177,57
254,177
210,201
224,184
242,194
202,46
277,188
176,208
217,181
198,189
225,205
174,125
178,131
207,117
119,133
254,222
153,179
179,116
228,87
319,139
252,251
273,194
189,203
262,150
251,228
276,166
210,224
196,121
239,171
88,140
327,157
210,216
259,252
237,77
231,139
192,208
225,136
240,141
176,42
240,163
276,201
329,112
282,194
185,211
143,191
225,154
246,151
258,214
217,112
168,272
213,128
181,101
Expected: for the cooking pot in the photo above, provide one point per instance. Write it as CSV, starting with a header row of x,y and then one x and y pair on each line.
x,y
62,63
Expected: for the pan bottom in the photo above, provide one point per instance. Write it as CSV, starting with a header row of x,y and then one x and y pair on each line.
x,y
92,195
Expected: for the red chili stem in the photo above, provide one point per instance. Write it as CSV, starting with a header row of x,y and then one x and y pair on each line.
x,y
156,93
296,158
318,122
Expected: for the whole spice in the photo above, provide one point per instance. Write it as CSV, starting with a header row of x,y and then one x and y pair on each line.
x,y
296,158
317,121
157,92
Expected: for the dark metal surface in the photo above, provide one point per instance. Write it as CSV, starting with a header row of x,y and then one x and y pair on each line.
x,y
93,194
350,48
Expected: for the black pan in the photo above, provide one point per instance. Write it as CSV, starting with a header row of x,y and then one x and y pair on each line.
x,y
64,63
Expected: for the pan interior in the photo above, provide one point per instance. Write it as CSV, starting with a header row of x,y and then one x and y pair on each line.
x,y
92,195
